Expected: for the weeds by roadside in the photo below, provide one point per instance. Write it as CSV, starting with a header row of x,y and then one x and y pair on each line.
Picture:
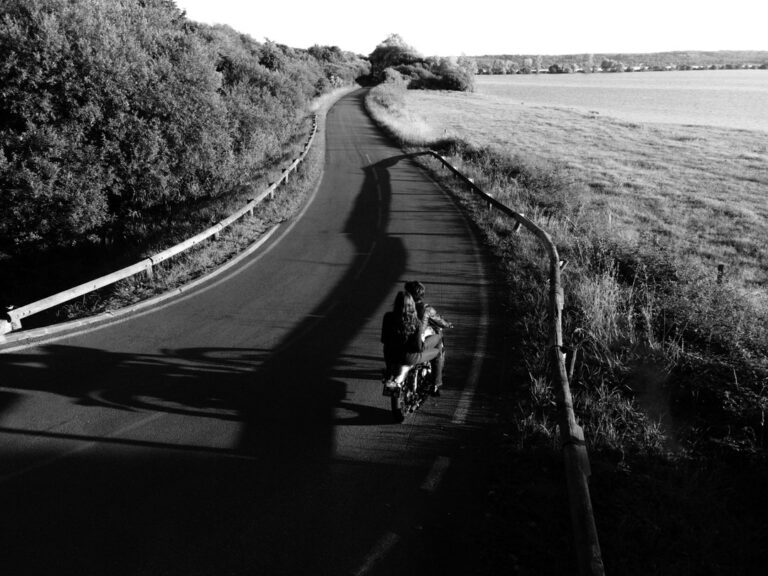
x,y
670,376
638,316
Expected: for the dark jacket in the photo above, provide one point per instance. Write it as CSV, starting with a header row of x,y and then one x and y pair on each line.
x,y
427,312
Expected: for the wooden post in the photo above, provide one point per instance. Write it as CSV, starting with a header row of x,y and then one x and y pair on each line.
x,y
13,321
572,364
7,324
577,469
720,273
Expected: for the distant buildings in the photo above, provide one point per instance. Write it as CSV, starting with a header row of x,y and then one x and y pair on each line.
x,y
586,63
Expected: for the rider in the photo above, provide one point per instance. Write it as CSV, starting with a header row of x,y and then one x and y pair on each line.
x,y
434,334
402,333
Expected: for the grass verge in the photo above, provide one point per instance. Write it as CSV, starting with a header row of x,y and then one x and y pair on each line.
x,y
670,379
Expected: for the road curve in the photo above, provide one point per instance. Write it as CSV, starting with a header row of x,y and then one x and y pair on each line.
x,y
240,429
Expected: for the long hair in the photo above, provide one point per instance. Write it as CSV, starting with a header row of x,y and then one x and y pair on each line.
x,y
406,318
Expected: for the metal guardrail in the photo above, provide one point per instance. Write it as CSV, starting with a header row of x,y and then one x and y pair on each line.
x,y
577,467
16,315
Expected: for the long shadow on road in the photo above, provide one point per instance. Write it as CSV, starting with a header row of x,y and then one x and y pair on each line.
x,y
290,388
255,496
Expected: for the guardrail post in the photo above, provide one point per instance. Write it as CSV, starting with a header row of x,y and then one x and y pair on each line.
x,y
14,324
12,321
576,460
577,469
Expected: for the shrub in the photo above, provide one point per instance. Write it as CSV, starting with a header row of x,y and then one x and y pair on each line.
x,y
113,113
392,52
109,109
428,74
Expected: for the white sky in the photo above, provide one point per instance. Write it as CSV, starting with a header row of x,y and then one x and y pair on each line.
x,y
477,27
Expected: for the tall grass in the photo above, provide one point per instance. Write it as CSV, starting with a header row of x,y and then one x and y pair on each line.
x,y
666,356
670,381
386,103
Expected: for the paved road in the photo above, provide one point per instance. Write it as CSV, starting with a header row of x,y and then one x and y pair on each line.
x,y
241,429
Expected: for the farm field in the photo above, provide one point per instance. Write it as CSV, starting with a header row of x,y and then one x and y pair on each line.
x,y
698,190
671,378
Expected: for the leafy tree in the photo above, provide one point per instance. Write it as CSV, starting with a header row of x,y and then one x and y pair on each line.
x,y
499,66
108,108
273,56
467,65
338,66
392,52
113,112
610,65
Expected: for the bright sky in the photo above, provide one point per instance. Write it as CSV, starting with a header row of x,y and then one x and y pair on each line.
x,y
477,27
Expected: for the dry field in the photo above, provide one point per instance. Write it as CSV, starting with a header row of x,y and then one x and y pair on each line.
x,y
671,379
701,191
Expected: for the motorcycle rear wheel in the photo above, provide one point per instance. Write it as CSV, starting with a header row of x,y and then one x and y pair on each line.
x,y
396,402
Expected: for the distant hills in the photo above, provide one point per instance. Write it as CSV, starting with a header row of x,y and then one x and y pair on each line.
x,y
618,62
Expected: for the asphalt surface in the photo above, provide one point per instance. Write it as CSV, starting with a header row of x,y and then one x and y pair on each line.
x,y
240,429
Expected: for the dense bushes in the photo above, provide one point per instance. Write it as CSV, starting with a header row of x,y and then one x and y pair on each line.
x,y
111,110
418,72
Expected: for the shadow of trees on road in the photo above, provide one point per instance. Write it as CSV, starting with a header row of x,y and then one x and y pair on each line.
x,y
157,503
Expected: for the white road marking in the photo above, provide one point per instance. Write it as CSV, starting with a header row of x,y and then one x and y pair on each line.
x,y
436,474
382,548
442,463
467,395
465,401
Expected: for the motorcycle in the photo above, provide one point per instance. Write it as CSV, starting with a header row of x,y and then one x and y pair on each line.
x,y
407,391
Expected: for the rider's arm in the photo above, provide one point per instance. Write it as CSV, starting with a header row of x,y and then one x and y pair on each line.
x,y
431,314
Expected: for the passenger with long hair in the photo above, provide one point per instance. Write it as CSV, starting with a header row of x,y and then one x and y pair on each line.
x,y
402,333
435,324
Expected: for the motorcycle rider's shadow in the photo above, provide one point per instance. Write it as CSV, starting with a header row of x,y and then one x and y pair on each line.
x,y
350,414
292,403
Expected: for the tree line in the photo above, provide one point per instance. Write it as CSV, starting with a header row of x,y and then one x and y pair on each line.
x,y
682,60
393,60
111,110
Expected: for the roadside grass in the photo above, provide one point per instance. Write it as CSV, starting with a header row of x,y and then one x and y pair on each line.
x,y
43,277
670,380
699,189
